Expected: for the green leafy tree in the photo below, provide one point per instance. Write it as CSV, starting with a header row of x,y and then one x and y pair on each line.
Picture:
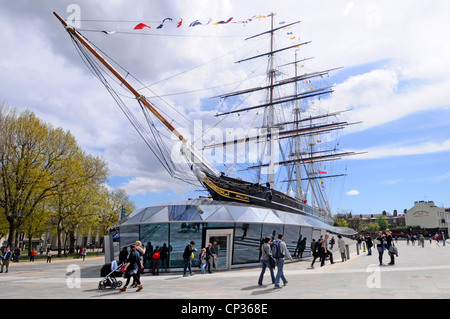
x,y
382,222
31,153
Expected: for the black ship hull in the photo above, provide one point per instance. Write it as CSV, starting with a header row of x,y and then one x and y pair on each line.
x,y
231,189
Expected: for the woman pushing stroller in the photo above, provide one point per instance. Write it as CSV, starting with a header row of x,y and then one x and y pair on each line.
x,y
132,268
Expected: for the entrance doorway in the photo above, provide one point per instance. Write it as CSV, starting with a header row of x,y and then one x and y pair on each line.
x,y
224,239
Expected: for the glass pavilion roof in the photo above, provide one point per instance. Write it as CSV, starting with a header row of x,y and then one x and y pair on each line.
x,y
211,211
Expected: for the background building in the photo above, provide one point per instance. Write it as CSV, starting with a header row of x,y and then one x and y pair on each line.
x,y
428,216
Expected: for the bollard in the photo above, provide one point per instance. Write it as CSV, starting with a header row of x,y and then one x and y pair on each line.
x,y
357,249
347,250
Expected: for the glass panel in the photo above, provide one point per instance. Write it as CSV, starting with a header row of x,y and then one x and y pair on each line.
x,y
153,236
222,245
272,230
181,235
128,235
247,243
307,232
291,238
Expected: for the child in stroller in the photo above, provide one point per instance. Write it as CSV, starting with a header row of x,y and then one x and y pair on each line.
x,y
110,271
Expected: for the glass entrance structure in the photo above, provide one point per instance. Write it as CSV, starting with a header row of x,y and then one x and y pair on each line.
x,y
237,228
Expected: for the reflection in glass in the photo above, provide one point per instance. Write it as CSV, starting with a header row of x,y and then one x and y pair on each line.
x,y
247,243
181,234
291,237
128,235
152,236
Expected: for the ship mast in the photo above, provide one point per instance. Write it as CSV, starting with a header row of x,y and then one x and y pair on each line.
x,y
270,119
187,149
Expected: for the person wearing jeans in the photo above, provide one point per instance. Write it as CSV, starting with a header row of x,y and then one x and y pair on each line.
x,y
265,262
280,261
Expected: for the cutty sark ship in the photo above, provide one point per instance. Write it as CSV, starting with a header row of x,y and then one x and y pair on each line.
x,y
297,135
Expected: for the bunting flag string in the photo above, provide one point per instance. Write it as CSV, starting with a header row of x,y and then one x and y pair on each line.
x,y
141,26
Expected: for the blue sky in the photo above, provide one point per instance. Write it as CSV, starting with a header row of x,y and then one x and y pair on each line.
x,y
395,78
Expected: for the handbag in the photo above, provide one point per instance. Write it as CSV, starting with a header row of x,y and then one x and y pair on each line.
x,y
393,250
272,261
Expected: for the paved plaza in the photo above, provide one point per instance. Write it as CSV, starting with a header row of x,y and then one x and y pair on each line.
x,y
419,273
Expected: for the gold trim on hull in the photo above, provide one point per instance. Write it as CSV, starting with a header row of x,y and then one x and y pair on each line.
x,y
226,193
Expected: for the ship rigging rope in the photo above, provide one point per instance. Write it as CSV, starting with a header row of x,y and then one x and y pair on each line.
x,y
166,35
155,95
153,140
95,68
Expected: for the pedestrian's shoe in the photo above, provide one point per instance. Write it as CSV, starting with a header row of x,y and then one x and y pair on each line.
x,y
139,288
133,285
124,288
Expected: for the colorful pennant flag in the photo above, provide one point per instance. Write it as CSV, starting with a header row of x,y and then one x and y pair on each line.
x,y
224,22
162,23
141,26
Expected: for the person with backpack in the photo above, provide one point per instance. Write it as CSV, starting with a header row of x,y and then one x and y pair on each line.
x,y
279,252
156,261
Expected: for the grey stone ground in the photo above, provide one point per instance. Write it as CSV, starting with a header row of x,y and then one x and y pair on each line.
x,y
419,273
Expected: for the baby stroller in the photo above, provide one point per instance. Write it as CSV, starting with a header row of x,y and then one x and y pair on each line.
x,y
110,271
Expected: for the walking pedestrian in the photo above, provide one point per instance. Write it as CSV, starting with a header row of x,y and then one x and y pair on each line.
x,y
49,256
132,269
341,246
282,252
5,259
82,253
326,252
33,254
209,258
380,240
369,245
187,257
266,255
317,251
422,240
140,249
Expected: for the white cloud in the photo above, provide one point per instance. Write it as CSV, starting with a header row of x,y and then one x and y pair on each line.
x,y
396,150
353,192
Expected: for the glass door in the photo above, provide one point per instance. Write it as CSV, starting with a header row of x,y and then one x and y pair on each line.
x,y
223,240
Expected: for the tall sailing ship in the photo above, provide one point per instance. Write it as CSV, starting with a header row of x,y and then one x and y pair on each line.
x,y
288,174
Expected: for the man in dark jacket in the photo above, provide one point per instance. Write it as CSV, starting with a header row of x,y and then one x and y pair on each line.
x,y
369,244
188,251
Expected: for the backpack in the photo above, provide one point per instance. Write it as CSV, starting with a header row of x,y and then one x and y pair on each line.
x,y
156,255
276,250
